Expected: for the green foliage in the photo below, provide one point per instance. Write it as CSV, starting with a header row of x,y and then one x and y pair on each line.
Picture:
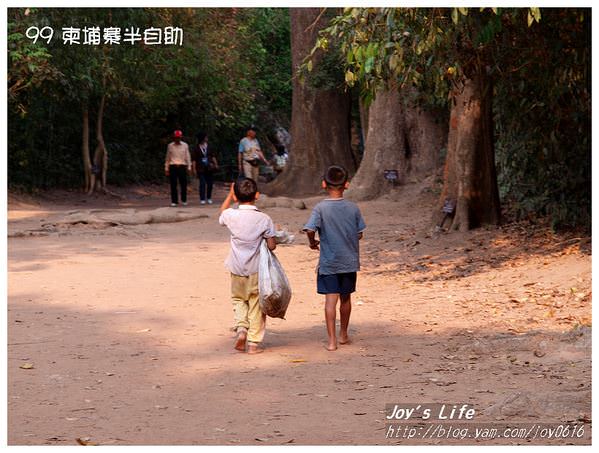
x,y
430,48
323,69
543,121
233,69
327,75
269,48
29,62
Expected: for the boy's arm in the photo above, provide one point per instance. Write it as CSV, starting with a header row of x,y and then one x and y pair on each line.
x,y
312,238
270,234
310,228
229,199
361,225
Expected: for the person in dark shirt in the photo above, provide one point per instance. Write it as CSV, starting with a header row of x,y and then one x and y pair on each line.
x,y
205,164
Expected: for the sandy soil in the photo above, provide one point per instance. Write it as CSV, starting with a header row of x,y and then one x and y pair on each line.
x,y
126,329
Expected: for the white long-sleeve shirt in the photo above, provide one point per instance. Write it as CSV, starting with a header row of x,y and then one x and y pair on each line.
x,y
177,154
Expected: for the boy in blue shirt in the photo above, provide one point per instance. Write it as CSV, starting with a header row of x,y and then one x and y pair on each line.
x,y
340,227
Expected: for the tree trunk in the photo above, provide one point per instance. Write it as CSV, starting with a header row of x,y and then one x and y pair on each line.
x,y
470,178
87,165
363,119
98,179
320,119
399,137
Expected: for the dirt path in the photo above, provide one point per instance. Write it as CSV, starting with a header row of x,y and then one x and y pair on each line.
x,y
127,329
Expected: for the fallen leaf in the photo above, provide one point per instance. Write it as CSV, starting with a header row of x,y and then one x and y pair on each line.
x,y
585,418
85,441
54,439
298,361
143,330
27,366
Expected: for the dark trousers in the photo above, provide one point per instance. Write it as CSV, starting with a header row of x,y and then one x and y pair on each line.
x,y
206,183
178,173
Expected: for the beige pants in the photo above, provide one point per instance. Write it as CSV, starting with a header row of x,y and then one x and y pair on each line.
x,y
250,171
246,306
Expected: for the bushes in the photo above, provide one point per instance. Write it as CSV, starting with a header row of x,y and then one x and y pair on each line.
x,y
543,122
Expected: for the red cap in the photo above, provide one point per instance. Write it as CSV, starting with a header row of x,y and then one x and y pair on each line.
x,y
178,133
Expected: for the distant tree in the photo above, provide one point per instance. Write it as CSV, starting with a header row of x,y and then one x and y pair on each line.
x,y
445,51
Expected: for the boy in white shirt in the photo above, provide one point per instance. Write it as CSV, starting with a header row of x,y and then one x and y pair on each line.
x,y
248,227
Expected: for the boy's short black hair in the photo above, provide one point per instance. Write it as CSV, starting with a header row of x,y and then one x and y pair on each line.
x,y
335,176
245,190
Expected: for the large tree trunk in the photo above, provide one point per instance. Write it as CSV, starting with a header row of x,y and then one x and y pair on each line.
x,y
399,137
363,119
320,119
87,165
470,178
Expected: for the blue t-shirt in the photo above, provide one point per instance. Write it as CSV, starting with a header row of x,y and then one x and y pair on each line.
x,y
339,224
248,147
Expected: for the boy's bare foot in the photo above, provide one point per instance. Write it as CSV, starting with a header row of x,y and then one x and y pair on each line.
x,y
240,341
254,349
344,339
331,347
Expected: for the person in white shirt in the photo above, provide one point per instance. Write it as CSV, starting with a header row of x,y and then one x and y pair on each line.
x,y
177,164
248,227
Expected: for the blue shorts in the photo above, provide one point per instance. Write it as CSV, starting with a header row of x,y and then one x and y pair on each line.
x,y
336,283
